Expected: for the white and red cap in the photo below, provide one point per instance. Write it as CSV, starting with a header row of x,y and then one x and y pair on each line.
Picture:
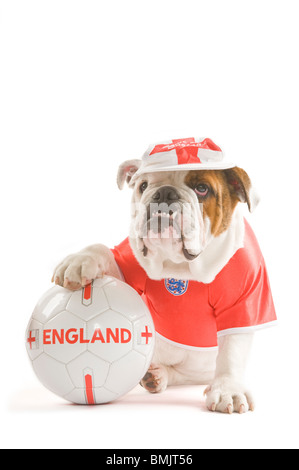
x,y
183,154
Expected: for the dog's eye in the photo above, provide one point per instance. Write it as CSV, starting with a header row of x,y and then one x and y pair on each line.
x,y
201,190
143,186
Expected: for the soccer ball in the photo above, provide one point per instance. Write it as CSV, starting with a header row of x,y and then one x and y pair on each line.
x,y
93,345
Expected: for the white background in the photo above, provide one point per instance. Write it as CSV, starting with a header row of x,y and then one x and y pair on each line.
x,y
85,85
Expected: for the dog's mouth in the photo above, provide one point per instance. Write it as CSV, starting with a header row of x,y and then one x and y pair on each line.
x,y
158,223
163,224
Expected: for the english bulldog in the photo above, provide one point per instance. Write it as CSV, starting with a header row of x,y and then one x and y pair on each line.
x,y
195,261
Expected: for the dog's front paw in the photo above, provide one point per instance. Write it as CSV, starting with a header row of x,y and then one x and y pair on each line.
x,y
226,395
156,379
75,271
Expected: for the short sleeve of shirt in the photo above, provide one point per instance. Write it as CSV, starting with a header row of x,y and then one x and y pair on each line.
x,y
241,294
133,273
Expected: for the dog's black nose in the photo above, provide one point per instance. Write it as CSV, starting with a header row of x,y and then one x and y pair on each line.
x,y
167,194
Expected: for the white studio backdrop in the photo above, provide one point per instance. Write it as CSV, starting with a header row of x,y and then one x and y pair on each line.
x,y
85,85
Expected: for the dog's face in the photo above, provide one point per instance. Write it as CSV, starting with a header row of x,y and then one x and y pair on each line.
x,y
175,215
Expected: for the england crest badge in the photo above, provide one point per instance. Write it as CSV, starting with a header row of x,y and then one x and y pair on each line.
x,y
176,286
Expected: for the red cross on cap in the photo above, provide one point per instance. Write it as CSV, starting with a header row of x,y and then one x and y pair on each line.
x,y
183,154
186,149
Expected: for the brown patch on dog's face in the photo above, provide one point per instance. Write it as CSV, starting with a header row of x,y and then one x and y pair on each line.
x,y
219,191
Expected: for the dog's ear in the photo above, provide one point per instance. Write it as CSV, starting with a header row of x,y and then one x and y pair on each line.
x,y
240,186
125,172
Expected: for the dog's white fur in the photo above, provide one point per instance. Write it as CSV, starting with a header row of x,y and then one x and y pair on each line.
x,y
222,370
165,257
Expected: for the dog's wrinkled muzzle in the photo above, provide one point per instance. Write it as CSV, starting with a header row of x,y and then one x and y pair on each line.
x,y
165,221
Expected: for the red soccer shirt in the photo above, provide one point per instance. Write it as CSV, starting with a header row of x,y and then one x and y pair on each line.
x,y
191,314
